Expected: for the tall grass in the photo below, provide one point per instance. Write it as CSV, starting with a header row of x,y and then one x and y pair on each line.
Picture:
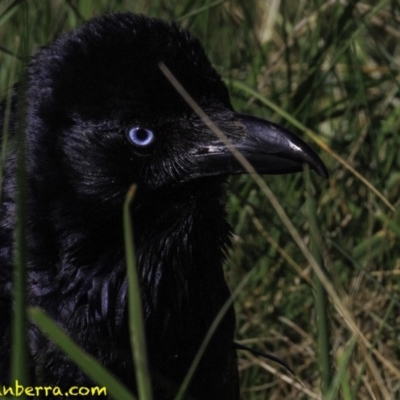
x,y
329,70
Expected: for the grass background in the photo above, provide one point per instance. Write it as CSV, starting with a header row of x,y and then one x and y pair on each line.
x,y
329,71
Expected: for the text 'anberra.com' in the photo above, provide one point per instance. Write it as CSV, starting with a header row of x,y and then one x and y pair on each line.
x,y
43,391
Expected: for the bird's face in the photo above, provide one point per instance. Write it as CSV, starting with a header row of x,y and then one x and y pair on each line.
x,y
114,119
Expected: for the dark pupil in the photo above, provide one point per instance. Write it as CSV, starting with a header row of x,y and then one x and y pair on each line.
x,y
142,135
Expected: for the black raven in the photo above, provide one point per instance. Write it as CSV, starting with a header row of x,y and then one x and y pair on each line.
x,y
101,116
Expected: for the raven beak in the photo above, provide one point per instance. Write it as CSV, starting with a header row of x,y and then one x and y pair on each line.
x,y
270,148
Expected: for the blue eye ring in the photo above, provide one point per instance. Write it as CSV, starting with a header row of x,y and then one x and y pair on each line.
x,y
141,137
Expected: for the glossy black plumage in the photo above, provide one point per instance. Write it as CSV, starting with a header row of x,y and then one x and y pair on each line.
x,y
85,92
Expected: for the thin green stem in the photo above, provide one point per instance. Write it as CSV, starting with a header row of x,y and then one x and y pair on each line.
x,y
136,324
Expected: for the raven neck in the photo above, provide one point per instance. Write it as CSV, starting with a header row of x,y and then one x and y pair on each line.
x,y
180,246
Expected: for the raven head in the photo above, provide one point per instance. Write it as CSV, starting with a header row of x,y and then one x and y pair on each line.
x,y
101,109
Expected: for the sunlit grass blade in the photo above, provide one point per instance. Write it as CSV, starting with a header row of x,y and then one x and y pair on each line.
x,y
86,362
136,324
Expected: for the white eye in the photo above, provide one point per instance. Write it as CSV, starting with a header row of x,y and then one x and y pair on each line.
x,y
141,136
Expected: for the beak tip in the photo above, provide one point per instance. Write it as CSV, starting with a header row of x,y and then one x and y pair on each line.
x,y
321,170
279,145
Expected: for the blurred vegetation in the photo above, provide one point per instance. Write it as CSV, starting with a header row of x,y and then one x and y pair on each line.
x,y
329,71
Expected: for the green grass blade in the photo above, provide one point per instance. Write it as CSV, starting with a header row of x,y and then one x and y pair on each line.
x,y
136,325
10,11
321,300
340,376
19,350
